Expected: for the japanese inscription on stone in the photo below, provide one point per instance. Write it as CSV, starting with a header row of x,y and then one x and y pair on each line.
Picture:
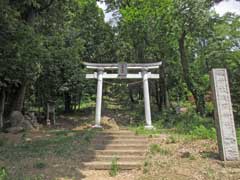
x,y
224,120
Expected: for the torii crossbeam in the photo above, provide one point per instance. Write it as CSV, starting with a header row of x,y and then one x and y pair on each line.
x,y
123,74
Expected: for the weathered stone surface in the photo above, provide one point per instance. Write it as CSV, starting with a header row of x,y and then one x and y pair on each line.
x,y
15,130
20,123
16,117
27,125
226,133
32,119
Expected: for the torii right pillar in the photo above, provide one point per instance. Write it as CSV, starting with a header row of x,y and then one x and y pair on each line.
x,y
147,100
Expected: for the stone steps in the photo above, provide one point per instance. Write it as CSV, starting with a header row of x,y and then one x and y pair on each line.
x,y
124,146
120,152
120,137
117,133
119,146
108,158
99,165
119,141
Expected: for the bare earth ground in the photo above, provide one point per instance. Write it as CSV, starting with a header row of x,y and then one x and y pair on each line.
x,y
59,149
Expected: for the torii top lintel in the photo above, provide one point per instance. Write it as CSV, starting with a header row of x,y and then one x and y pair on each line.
x,y
129,65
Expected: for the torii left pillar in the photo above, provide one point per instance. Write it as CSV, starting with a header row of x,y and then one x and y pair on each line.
x,y
99,99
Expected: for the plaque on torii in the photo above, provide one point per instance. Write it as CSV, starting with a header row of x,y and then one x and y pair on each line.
x,y
123,69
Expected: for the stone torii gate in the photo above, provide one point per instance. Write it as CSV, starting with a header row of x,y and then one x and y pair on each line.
x,y
123,74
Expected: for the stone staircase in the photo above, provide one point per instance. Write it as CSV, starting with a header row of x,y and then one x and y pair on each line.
x,y
129,150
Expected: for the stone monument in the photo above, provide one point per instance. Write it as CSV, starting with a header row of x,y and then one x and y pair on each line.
x,y
224,120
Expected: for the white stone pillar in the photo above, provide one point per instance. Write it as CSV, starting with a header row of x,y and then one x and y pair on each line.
x,y
147,100
99,99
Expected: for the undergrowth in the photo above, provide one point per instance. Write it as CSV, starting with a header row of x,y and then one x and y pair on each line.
x,y
157,149
61,143
3,174
190,125
114,167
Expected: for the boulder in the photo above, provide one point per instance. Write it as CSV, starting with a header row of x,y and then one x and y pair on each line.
x,y
16,117
32,119
26,124
15,130
21,123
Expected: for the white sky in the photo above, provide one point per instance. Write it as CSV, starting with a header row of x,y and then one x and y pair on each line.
x,y
221,8
108,16
228,6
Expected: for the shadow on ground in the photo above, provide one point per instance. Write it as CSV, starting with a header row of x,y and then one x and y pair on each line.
x,y
52,153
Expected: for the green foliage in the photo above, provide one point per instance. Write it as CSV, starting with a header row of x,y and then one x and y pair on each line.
x,y
157,149
87,137
201,132
172,139
141,130
114,167
186,123
43,46
238,135
3,174
190,124
192,157
146,167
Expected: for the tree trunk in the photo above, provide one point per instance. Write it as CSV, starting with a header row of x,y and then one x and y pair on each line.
x,y
199,100
80,99
201,104
131,95
2,105
18,98
67,102
163,94
157,97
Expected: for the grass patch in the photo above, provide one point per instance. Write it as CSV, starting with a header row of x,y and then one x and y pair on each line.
x,y
40,165
2,141
201,132
188,155
157,149
189,125
37,177
60,144
3,174
140,130
210,172
114,167
172,139
211,155
146,167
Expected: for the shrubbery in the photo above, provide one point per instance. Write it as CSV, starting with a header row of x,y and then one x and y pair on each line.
x,y
186,123
3,174
201,132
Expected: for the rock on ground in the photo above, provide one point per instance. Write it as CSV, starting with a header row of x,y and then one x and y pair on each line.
x,y
22,123
16,117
